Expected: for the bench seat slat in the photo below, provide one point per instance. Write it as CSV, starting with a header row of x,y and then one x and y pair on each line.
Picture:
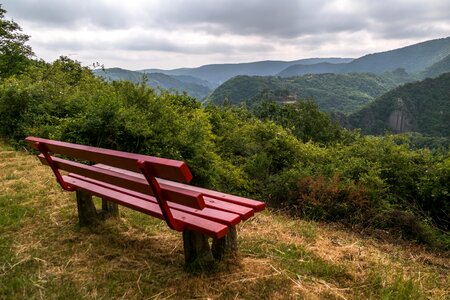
x,y
191,222
161,167
255,205
232,199
220,216
243,211
175,194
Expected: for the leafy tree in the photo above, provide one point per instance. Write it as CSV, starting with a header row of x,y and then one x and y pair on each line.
x,y
303,118
14,54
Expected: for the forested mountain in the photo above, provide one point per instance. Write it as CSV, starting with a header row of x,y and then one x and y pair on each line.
x,y
413,59
422,107
219,73
194,87
426,59
333,92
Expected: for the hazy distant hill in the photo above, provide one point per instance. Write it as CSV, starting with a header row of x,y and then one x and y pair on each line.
x,y
219,73
299,70
194,80
332,92
413,59
441,67
422,107
193,86
119,74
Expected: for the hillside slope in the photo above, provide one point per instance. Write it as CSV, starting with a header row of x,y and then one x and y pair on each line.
x,y
42,249
299,70
332,92
192,86
422,107
413,59
441,67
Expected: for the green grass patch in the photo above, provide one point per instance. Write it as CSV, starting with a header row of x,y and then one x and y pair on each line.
x,y
11,211
295,259
376,286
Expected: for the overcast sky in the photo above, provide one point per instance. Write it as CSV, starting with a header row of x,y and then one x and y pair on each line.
x,y
138,34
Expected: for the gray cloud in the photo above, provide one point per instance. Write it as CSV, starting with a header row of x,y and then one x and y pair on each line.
x,y
67,13
229,29
282,18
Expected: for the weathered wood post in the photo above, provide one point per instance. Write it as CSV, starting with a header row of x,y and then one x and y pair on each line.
x,y
110,209
87,213
197,253
225,247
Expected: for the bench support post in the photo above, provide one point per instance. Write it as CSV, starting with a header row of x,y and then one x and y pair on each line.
x,y
87,213
197,253
225,247
110,209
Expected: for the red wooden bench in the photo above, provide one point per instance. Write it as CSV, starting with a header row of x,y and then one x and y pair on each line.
x,y
151,185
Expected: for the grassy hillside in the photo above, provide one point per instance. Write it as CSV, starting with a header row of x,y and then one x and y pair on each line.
x,y
422,107
44,254
332,92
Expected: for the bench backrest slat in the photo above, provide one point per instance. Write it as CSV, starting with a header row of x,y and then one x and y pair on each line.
x,y
161,167
173,194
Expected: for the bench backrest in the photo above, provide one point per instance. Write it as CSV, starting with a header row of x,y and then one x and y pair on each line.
x,y
158,167
161,167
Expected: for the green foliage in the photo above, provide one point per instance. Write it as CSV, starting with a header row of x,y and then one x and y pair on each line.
x,y
302,118
14,54
291,155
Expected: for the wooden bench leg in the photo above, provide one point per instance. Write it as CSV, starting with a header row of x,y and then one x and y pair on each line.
x,y
225,247
197,253
110,209
87,213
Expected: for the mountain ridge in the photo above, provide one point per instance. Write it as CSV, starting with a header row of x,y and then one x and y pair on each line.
x,y
413,58
219,73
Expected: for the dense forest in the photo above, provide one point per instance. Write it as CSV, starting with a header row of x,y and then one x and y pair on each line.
x,y
422,107
292,156
342,93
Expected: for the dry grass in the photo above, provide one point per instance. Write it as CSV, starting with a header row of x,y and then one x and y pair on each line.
x,y
45,254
